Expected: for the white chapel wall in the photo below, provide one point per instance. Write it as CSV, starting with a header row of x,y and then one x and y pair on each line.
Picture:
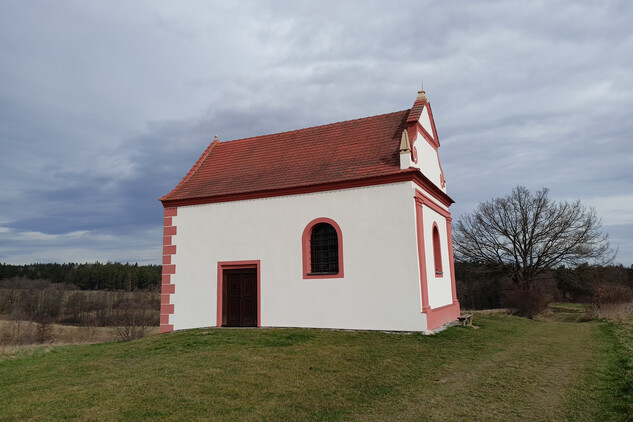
x,y
439,288
381,284
429,161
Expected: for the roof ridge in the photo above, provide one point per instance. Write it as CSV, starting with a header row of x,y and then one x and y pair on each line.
x,y
315,127
195,167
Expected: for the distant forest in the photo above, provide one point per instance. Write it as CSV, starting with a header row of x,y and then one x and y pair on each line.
x,y
89,276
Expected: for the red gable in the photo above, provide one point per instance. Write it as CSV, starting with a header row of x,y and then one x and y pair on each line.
x,y
331,156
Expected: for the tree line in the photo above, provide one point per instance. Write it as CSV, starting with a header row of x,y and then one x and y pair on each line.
x,y
89,276
483,287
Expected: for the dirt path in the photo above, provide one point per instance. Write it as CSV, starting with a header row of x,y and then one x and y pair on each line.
x,y
543,374
530,379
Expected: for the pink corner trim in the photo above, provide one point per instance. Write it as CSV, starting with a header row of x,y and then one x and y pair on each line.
x,y
451,261
171,212
437,317
169,269
165,328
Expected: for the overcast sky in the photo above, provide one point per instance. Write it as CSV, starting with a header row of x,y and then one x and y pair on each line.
x,y
105,105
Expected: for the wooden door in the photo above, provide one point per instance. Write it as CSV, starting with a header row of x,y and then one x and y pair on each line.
x,y
240,298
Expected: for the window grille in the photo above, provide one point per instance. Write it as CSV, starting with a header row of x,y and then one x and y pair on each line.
x,y
324,249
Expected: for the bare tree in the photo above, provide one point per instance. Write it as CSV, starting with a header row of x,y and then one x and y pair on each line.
x,y
134,317
528,234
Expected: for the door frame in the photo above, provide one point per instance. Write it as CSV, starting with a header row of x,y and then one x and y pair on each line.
x,y
237,265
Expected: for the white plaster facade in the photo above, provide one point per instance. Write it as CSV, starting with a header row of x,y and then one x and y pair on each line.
x,y
439,287
428,162
380,288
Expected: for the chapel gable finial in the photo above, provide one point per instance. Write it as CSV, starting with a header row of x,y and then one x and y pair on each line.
x,y
421,93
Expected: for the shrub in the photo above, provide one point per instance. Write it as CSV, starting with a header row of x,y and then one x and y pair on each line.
x,y
133,317
44,332
528,302
75,308
613,311
19,331
480,287
608,293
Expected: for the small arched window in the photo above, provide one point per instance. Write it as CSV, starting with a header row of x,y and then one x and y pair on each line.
x,y
322,249
437,251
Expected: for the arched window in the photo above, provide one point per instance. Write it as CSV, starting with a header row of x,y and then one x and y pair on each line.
x,y
322,249
437,251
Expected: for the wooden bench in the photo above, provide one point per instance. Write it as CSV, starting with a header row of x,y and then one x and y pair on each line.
x,y
466,320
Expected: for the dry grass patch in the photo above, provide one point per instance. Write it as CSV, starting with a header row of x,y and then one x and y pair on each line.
x,y
20,336
612,311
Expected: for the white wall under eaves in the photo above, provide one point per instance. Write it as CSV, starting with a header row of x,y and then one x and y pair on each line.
x,y
381,284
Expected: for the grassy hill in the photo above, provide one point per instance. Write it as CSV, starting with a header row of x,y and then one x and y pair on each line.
x,y
511,369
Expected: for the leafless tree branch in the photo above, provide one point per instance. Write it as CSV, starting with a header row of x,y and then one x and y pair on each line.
x,y
528,233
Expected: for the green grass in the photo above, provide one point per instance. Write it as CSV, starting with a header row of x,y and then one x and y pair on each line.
x,y
511,369
623,332
569,307
568,312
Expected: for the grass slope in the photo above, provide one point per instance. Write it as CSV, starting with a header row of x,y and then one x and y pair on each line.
x,y
511,369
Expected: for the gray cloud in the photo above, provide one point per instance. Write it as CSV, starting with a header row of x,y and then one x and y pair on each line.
x,y
105,106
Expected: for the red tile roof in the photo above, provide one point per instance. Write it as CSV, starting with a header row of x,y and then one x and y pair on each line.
x,y
338,152
416,111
